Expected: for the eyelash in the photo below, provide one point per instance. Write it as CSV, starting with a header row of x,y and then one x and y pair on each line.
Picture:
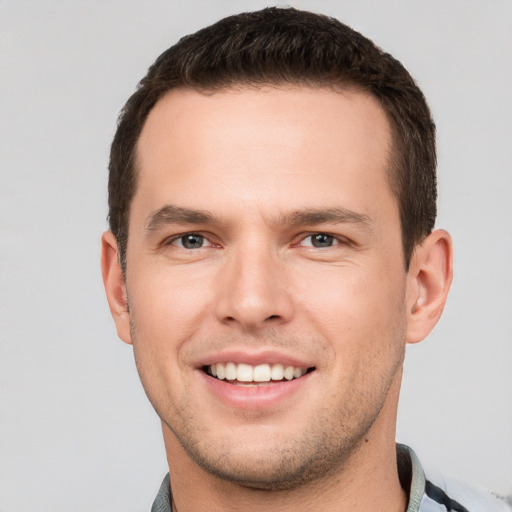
x,y
176,238
333,239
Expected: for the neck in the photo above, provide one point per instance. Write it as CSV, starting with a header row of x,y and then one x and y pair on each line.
x,y
367,481
361,487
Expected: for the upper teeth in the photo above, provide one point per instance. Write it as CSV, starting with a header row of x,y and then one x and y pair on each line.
x,y
260,373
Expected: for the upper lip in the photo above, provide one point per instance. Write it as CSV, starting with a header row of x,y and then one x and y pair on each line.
x,y
254,358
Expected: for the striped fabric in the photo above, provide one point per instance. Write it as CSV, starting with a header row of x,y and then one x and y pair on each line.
x,y
427,494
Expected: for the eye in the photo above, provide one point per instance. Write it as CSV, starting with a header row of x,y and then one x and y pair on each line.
x,y
191,241
319,240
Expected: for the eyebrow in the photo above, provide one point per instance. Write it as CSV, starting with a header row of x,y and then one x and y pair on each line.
x,y
313,217
171,214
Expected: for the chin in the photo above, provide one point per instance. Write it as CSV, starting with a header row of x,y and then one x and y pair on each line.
x,y
271,473
273,462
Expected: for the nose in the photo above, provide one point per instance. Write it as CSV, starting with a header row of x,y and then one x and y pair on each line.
x,y
253,290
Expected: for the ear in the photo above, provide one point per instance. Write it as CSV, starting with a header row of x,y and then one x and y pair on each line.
x,y
115,286
429,279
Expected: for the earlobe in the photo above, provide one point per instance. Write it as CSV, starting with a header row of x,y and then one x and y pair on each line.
x,y
429,279
115,286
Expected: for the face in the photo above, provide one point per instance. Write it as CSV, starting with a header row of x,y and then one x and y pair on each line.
x,y
265,279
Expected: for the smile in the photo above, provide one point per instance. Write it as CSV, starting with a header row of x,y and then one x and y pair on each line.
x,y
245,374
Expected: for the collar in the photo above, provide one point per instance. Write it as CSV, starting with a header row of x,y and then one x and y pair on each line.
x,y
162,501
411,475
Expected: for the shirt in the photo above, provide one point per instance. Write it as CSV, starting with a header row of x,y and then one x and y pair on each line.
x,y
424,495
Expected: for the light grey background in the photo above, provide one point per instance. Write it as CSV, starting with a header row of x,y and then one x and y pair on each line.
x,y
76,431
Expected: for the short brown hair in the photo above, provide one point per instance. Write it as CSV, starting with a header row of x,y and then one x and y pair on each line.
x,y
287,46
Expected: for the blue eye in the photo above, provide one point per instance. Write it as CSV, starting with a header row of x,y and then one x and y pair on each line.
x,y
192,241
321,240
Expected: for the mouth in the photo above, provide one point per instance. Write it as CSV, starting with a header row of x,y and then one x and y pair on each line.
x,y
247,375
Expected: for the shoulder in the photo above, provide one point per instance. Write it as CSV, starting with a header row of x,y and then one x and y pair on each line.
x,y
431,492
457,496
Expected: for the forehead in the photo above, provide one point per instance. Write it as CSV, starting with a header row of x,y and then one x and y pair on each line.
x,y
256,145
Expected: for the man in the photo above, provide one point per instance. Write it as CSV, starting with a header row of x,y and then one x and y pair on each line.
x,y
272,200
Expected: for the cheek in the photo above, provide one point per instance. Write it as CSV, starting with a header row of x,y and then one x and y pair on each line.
x,y
164,314
352,306
166,308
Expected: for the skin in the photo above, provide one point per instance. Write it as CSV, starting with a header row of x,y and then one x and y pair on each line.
x,y
256,173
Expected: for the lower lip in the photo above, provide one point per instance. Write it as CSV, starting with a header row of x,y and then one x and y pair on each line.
x,y
254,396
